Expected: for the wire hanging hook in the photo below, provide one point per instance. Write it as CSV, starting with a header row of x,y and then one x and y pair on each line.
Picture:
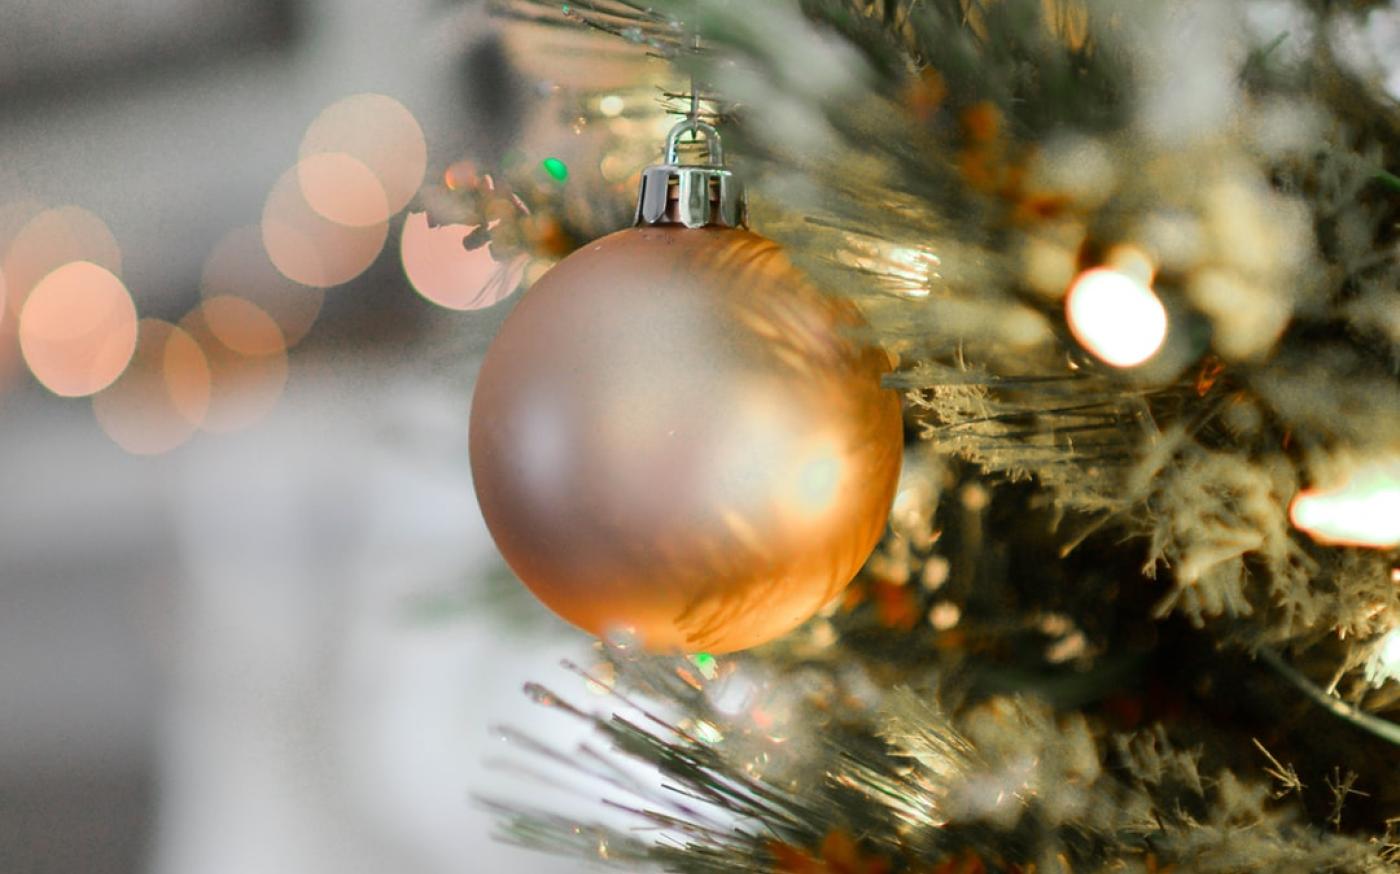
x,y
694,89
692,123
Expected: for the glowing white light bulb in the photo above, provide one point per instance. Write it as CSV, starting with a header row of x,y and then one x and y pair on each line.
x,y
1362,511
1116,316
611,106
1385,661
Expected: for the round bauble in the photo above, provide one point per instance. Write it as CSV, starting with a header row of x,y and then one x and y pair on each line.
x,y
675,436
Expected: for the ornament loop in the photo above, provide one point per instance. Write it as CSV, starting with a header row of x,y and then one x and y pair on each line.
x,y
694,195
694,125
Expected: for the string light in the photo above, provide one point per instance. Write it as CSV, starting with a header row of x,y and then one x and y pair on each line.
x,y
1363,510
1385,660
611,106
1115,315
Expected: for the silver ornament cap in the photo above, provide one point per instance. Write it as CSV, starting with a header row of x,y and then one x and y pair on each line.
x,y
693,195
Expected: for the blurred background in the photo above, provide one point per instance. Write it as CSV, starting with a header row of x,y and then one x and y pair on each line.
x,y
250,619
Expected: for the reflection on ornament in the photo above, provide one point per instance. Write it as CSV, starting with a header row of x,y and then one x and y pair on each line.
x,y
1362,511
1115,315
674,434
440,267
904,270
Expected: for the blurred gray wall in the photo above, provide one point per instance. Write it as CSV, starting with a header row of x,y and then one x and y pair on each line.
x,y
204,664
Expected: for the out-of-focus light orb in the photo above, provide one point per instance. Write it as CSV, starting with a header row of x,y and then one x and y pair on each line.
x,y
341,188
247,361
242,326
162,397
1364,510
1132,262
1390,651
1116,316
238,266
443,270
309,248
616,167
77,329
51,239
557,169
14,215
1384,663
11,364
944,615
380,133
611,106
460,175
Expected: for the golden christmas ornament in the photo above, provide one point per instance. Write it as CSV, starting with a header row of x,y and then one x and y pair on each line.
x,y
675,436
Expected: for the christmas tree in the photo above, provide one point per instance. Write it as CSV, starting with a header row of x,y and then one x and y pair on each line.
x,y
1137,605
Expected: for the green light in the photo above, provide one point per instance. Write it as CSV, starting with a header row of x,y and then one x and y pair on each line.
x,y
706,663
556,168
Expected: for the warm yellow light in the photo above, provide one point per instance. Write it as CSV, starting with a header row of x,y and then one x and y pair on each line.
x,y
77,329
1362,511
912,269
611,106
1116,317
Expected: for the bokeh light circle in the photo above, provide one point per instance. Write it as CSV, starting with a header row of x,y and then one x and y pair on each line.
x,y
51,239
341,188
10,362
309,248
247,361
380,133
14,215
163,396
77,329
1116,316
444,271
238,266
1363,510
